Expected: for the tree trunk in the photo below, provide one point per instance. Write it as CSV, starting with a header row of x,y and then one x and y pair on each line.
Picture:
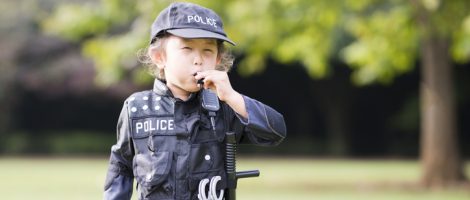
x,y
337,124
439,148
335,100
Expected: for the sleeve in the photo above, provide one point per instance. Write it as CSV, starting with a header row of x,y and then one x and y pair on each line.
x,y
264,126
119,178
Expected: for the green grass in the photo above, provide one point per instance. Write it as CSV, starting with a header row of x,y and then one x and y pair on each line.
x,y
293,179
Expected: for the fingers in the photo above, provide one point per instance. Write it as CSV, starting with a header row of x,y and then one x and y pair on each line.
x,y
204,74
211,78
216,81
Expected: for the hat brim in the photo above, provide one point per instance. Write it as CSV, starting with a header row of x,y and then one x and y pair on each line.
x,y
198,33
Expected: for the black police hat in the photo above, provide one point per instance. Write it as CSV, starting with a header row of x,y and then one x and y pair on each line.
x,y
188,20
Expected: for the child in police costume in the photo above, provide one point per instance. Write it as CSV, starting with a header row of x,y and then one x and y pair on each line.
x,y
164,137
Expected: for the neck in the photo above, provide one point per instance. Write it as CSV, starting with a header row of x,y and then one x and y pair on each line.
x,y
178,92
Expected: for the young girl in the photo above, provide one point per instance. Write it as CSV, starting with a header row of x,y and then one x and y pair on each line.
x,y
165,138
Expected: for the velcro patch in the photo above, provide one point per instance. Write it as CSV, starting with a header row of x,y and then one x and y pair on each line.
x,y
154,125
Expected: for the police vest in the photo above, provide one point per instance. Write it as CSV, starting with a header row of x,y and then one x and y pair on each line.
x,y
174,145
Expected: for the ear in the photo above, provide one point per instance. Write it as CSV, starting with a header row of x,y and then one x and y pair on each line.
x,y
158,57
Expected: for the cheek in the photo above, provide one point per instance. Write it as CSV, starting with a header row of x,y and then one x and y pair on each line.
x,y
173,63
211,64
178,59
170,58
177,69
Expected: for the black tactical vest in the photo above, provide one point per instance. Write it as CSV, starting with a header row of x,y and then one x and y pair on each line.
x,y
174,145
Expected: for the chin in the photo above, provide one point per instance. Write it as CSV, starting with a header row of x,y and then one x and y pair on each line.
x,y
193,89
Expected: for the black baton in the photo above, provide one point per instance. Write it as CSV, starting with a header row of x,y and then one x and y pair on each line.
x,y
230,166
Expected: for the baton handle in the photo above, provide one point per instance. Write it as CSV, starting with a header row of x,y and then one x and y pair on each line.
x,y
247,174
230,166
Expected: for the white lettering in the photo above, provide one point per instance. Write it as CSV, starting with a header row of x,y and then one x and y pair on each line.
x,y
211,22
170,124
138,126
150,125
146,126
199,19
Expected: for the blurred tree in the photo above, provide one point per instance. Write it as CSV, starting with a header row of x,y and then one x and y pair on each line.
x,y
13,35
32,63
378,39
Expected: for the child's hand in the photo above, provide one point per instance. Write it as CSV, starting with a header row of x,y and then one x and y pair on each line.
x,y
219,82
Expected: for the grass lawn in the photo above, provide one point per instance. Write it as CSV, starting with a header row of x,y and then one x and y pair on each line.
x,y
292,179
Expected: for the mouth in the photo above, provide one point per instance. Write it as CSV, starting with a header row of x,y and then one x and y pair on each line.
x,y
199,82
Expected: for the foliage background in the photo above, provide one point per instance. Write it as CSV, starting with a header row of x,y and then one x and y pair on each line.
x,y
345,74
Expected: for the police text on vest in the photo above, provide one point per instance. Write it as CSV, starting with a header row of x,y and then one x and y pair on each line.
x,y
153,124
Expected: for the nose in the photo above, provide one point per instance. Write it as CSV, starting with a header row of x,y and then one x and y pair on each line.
x,y
198,59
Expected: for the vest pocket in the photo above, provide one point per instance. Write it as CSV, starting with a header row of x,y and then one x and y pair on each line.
x,y
206,161
152,173
206,157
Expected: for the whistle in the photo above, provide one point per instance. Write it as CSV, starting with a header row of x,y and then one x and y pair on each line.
x,y
200,82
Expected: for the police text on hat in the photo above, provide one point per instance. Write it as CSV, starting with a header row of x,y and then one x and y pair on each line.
x,y
189,20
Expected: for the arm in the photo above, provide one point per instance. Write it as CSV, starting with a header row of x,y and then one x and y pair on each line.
x,y
263,125
119,179
237,103
259,123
